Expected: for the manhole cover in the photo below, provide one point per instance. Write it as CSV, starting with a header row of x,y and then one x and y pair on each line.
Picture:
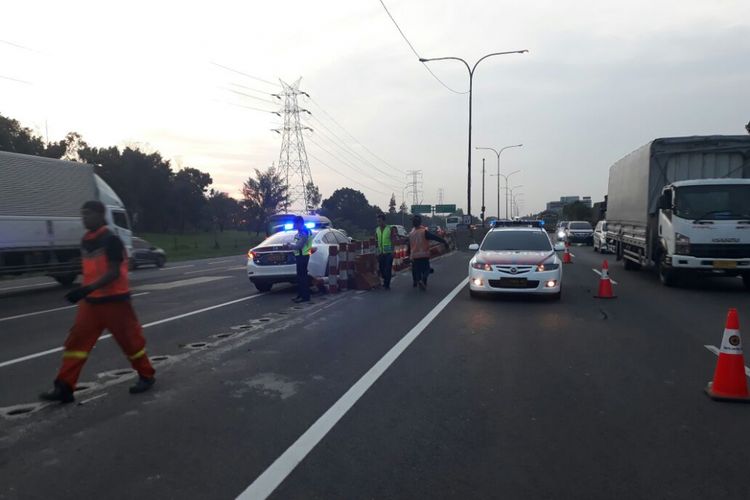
x,y
264,320
159,358
197,345
224,335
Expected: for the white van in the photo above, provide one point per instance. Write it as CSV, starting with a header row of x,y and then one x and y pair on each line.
x,y
451,223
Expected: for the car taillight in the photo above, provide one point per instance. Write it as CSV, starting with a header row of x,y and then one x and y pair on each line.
x,y
313,250
251,255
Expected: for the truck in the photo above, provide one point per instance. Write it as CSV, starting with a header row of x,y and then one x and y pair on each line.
x,y
681,205
40,221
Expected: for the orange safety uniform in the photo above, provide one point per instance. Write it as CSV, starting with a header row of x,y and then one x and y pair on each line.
x,y
418,244
108,308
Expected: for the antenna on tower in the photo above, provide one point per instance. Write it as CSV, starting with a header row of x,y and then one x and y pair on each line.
x,y
294,167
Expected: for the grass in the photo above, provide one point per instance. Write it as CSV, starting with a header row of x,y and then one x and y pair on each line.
x,y
203,245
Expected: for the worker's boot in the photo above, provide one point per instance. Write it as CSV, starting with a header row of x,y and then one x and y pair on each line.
x,y
142,385
62,393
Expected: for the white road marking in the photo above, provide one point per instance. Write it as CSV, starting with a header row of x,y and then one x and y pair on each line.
x,y
28,286
180,283
92,399
219,262
36,313
238,268
715,350
207,270
147,325
600,275
175,267
274,475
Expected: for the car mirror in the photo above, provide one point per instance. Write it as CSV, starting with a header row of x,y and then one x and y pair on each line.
x,y
474,247
559,246
152,248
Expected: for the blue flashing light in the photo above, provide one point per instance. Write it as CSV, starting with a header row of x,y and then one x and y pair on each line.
x,y
288,226
309,225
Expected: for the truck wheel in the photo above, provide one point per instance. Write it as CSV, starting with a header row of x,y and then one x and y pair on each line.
x,y
65,279
631,266
667,276
263,286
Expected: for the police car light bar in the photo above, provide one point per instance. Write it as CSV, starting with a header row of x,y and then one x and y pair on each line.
x,y
518,223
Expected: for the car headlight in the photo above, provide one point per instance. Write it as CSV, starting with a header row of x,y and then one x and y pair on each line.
x,y
681,244
561,234
547,266
481,266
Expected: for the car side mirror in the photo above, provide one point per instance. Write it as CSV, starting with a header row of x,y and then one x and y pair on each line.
x,y
665,200
474,247
152,248
559,246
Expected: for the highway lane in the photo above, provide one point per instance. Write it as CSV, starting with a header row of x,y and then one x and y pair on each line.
x,y
498,397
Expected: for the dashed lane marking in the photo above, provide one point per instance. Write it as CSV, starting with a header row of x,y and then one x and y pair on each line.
x,y
180,283
274,475
37,313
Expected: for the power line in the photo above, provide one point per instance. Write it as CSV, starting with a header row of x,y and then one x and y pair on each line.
x,y
18,46
416,53
243,106
244,74
348,163
267,101
353,138
15,79
344,147
344,175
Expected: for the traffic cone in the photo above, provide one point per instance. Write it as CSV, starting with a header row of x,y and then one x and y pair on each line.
x,y
730,383
566,255
605,284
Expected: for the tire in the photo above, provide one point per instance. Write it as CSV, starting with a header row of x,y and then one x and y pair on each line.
x,y
746,281
65,279
595,249
263,286
631,266
668,277
160,261
132,266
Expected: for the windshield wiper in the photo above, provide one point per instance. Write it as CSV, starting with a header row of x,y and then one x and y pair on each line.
x,y
710,213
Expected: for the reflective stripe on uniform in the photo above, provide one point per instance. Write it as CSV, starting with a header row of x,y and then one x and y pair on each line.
x,y
75,354
139,354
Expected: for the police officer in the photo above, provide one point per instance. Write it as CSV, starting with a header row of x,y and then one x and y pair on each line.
x,y
302,247
103,302
385,234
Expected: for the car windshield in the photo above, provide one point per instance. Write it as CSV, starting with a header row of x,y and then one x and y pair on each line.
x,y
580,225
713,202
535,241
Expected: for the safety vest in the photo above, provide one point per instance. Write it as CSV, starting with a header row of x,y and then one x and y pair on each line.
x,y
418,243
95,264
307,247
384,239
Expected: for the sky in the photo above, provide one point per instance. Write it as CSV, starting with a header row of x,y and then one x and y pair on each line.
x,y
601,79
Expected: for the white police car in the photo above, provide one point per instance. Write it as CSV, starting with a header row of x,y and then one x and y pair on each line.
x,y
516,257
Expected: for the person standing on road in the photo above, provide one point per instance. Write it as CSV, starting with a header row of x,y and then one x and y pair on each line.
x,y
302,247
385,234
103,302
419,250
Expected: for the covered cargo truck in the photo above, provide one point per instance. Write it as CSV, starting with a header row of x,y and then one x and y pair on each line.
x,y
682,204
40,221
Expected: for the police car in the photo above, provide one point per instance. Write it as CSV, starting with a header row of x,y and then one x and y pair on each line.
x,y
516,257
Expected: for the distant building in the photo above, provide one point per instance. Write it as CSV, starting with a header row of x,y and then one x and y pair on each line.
x,y
557,206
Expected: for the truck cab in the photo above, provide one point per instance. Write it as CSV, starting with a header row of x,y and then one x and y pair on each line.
x,y
704,226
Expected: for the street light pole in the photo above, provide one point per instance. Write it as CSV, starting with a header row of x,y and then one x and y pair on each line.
x,y
471,89
483,192
498,153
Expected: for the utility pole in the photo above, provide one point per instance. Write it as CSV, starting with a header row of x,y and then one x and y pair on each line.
x,y
440,196
293,165
498,153
482,215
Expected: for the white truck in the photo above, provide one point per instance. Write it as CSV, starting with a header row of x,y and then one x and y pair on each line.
x,y
682,204
40,222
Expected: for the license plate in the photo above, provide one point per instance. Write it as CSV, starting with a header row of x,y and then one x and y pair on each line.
x,y
724,264
277,258
513,282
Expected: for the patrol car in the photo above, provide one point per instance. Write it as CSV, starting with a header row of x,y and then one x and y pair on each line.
x,y
516,257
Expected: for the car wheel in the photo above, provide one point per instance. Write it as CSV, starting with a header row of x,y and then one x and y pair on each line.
x,y
160,261
65,279
263,286
595,249
132,266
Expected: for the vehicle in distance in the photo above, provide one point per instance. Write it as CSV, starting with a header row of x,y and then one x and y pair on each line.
x,y
682,205
452,222
40,214
560,229
401,231
515,258
144,253
436,230
600,237
579,232
271,262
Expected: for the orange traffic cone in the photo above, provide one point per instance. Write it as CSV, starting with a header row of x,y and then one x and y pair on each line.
x,y
605,284
729,382
566,255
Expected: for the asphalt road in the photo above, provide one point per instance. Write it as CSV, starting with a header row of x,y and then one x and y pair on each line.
x,y
401,394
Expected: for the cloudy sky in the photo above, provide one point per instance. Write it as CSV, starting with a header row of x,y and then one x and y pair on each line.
x,y
601,79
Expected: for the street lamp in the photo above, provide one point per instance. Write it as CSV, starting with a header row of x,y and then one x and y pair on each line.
x,y
471,89
498,153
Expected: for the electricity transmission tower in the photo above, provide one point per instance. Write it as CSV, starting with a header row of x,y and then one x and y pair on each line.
x,y
440,196
293,165
415,187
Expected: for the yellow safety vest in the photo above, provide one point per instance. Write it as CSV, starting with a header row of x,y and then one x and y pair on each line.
x,y
384,239
307,248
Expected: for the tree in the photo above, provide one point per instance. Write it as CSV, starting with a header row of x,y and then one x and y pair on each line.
x,y
74,145
392,204
403,209
187,197
350,205
17,139
223,211
264,196
313,197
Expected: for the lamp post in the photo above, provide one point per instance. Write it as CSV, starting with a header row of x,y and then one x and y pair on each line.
x,y
498,153
471,89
